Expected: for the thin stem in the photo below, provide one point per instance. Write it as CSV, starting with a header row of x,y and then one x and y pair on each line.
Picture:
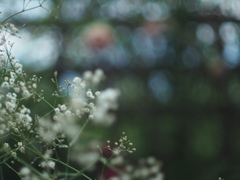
x,y
67,162
84,169
10,167
72,168
3,156
81,130
30,167
57,87
103,168
36,151
1,173
24,10
104,161
8,54
46,114
45,100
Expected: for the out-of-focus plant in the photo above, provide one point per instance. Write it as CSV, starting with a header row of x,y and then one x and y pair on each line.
x,y
37,140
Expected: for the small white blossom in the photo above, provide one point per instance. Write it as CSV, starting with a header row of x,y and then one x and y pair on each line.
x,y
51,164
63,107
6,145
57,110
5,85
87,75
25,171
76,80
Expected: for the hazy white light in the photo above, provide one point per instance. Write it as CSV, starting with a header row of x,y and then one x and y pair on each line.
x,y
37,52
74,10
119,9
153,11
205,33
160,86
10,7
230,8
209,3
191,57
228,32
231,55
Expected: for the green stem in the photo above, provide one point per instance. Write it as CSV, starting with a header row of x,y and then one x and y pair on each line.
x,y
83,170
30,167
46,114
45,101
104,161
10,167
24,10
34,151
13,66
72,168
57,87
67,162
1,173
76,138
103,170
3,156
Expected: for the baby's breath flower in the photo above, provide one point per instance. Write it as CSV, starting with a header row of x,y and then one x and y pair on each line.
x,y
63,107
57,110
68,113
117,160
5,85
97,93
6,145
51,164
76,80
87,75
25,171
14,154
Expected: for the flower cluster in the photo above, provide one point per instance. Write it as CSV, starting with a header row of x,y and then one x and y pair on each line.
x,y
7,30
123,144
36,139
22,131
149,168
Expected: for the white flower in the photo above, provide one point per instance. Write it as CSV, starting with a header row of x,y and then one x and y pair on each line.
x,y
26,93
90,94
88,158
57,110
63,107
34,85
87,75
51,164
76,80
159,176
106,101
6,145
68,113
5,85
116,151
98,76
25,171
118,160
14,154
97,93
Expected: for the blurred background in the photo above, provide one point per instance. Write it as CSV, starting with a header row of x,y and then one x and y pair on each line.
x,y
176,62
